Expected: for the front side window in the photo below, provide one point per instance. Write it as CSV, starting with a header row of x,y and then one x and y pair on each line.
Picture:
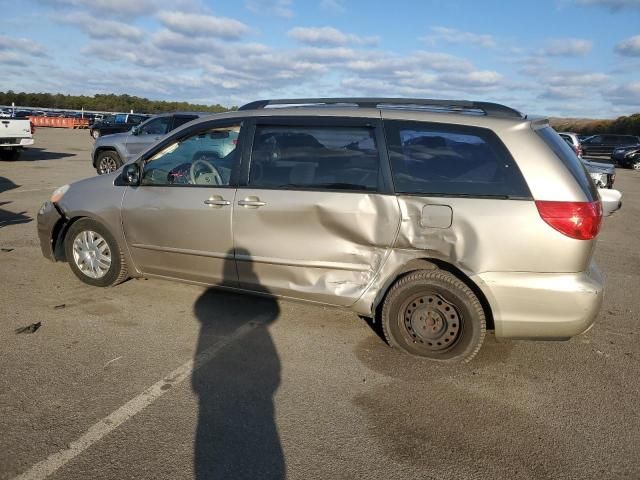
x,y
157,126
429,158
332,158
204,159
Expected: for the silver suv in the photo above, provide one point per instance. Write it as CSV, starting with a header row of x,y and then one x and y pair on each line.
x,y
442,219
111,151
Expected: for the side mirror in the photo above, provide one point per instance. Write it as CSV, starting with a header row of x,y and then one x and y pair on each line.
x,y
611,200
135,130
131,174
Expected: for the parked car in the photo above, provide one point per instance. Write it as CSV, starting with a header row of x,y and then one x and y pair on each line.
x,y
111,151
15,134
604,145
439,223
602,174
120,122
573,139
627,157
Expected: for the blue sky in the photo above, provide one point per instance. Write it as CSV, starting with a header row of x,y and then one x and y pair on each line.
x,y
577,58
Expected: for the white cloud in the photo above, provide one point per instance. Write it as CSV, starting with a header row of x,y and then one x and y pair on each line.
x,y
11,58
203,25
627,95
22,45
109,7
279,8
453,36
568,47
562,93
583,79
328,36
332,6
100,28
629,47
611,4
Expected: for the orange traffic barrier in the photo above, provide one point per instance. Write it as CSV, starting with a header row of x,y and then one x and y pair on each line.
x,y
60,122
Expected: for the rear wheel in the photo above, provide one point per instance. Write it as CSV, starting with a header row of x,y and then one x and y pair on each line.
x,y
107,162
433,314
636,164
94,255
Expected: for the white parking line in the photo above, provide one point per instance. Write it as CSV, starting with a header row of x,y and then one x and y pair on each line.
x,y
134,406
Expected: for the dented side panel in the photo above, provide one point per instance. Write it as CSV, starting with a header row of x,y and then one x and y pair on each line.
x,y
486,235
325,247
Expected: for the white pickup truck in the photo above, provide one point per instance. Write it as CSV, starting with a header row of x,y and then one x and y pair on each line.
x,y
15,134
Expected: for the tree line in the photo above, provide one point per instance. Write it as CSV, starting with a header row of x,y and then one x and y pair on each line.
x,y
103,102
626,125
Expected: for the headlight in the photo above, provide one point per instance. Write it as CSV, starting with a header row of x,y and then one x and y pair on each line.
x,y
598,178
58,193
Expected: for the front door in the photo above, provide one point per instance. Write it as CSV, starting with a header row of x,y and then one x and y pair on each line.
x,y
178,221
312,219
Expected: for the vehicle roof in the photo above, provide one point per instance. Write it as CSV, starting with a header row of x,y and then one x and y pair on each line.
x,y
409,114
167,114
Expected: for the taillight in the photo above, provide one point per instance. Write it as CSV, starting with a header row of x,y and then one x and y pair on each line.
x,y
579,220
579,150
33,127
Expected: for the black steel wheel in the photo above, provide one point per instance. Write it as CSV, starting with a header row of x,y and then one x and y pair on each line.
x,y
433,314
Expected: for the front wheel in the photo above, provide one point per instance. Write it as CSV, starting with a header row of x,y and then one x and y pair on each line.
x,y
107,162
93,254
433,314
636,164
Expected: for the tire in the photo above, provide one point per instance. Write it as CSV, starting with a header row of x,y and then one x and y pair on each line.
x,y
99,236
636,164
433,314
107,162
95,134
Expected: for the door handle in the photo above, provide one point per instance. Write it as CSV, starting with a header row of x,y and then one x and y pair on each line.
x,y
251,202
217,202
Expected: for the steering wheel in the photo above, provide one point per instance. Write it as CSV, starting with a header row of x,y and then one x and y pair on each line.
x,y
212,178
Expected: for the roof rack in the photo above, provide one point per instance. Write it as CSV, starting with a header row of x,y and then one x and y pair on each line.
x,y
485,108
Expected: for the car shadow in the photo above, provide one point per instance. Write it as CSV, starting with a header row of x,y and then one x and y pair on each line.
x,y
34,154
236,435
12,218
7,184
6,217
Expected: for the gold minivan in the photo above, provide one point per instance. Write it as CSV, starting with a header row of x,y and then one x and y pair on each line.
x,y
440,218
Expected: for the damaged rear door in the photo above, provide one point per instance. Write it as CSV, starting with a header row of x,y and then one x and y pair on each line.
x,y
314,216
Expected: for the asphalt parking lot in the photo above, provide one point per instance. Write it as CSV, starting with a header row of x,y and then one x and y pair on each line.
x,y
161,380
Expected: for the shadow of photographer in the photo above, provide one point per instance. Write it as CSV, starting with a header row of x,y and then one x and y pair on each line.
x,y
236,436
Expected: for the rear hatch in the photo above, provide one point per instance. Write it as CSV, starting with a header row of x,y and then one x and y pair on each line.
x,y
12,130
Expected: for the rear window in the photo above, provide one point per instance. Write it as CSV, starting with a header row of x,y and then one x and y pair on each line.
x,y
439,159
565,153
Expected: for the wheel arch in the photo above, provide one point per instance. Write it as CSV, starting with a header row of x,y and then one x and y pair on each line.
x,y
106,148
427,263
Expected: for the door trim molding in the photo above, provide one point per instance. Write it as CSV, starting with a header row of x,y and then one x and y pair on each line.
x,y
184,251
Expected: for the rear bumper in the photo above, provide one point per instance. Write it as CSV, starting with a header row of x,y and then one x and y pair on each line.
x,y
48,218
544,306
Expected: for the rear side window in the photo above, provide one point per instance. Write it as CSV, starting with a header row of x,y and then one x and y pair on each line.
x,y
178,121
565,153
332,158
438,159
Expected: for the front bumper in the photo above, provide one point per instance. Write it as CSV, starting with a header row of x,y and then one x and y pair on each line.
x,y
543,306
48,220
